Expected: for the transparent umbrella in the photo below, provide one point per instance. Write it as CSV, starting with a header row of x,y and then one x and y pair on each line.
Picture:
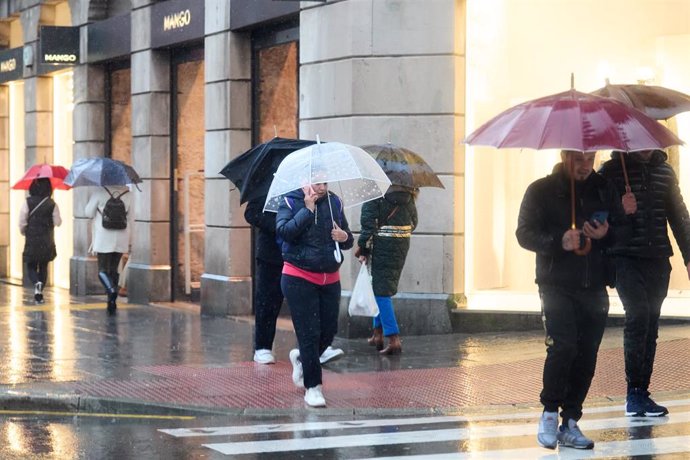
x,y
350,172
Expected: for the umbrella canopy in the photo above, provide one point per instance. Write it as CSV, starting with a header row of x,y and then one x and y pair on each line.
x,y
55,173
574,121
655,101
252,172
349,171
403,166
101,171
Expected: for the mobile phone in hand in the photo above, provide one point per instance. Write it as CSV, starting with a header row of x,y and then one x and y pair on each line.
x,y
599,216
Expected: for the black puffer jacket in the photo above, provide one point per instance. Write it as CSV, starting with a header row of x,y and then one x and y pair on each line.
x,y
659,202
545,215
39,245
306,236
266,247
397,212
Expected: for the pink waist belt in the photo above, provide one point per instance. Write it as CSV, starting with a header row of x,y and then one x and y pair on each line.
x,y
313,277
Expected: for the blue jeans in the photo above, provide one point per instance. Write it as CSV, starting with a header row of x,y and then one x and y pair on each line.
x,y
386,317
314,310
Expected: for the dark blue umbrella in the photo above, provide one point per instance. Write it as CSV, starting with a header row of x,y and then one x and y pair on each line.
x,y
252,172
101,171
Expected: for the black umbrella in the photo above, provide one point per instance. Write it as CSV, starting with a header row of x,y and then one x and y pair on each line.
x,y
101,171
403,166
252,172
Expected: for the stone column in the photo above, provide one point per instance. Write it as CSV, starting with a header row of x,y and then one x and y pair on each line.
x,y
4,181
150,272
374,71
226,282
38,94
89,141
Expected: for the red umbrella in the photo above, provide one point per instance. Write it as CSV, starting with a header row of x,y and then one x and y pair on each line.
x,y
55,173
573,121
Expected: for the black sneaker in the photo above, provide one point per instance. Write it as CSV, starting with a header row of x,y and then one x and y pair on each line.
x,y
635,403
653,409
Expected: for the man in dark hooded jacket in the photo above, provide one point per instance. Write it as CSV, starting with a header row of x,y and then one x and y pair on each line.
x,y
643,270
572,286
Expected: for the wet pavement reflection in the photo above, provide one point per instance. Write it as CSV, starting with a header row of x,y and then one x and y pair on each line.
x,y
153,356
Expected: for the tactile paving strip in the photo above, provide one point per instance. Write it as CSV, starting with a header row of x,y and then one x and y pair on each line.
x,y
249,385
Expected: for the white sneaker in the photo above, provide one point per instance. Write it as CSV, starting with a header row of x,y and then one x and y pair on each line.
x,y
331,354
264,356
314,397
297,372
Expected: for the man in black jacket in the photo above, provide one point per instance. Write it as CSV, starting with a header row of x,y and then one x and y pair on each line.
x,y
572,287
642,264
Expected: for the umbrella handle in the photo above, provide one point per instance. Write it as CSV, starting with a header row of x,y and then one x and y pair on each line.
x,y
337,254
625,173
584,250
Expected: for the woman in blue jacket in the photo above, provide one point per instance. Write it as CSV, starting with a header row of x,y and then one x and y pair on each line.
x,y
309,223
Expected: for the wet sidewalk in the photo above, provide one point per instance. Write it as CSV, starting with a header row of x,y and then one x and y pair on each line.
x,y
68,354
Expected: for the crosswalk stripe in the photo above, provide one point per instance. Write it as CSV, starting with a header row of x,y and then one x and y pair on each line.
x,y
310,426
636,447
426,436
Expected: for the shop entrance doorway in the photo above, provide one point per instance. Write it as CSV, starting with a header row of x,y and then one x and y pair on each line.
x,y
187,222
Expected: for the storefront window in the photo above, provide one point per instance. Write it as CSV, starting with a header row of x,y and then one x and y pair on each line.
x,y
516,51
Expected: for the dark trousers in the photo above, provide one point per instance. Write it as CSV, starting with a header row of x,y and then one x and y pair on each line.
x,y
574,321
37,271
108,263
642,285
314,310
268,298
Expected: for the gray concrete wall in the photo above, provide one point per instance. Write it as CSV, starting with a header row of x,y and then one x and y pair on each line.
x,y
374,71
149,277
226,282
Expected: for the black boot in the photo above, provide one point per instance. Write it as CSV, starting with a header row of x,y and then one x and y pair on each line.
x,y
110,291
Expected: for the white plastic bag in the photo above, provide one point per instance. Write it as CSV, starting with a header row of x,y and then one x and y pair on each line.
x,y
363,302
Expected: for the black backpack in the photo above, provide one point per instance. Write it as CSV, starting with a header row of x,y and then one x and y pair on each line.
x,y
114,212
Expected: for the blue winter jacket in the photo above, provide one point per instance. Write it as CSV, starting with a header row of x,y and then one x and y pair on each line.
x,y
306,236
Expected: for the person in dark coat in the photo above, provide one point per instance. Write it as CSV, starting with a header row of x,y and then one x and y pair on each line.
x,y
642,264
309,222
37,221
268,297
572,287
387,224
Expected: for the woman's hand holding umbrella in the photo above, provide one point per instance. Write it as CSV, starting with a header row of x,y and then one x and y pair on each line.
x,y
339,235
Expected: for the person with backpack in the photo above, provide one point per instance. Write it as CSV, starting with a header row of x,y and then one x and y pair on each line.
x,y
311,224
38,218
110,209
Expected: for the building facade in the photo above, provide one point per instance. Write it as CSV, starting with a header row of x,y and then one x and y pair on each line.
x,y
178,88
